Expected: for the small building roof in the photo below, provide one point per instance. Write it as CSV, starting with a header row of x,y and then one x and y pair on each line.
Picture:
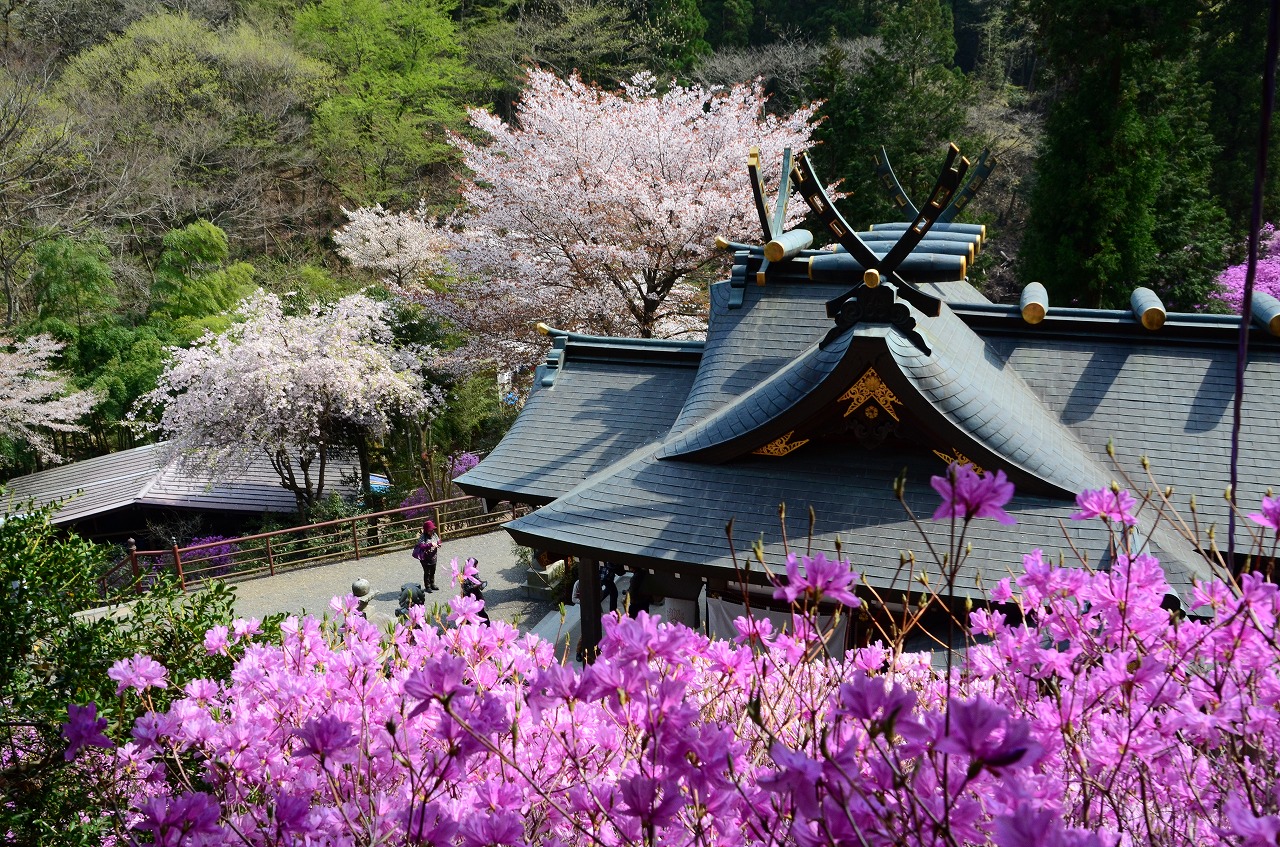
x,y
149,476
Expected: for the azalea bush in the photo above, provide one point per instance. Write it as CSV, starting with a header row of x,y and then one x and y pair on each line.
x,y
1083,713
1230,283
214,561
55,692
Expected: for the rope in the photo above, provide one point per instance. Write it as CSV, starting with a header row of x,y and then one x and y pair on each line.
x,y
1246,311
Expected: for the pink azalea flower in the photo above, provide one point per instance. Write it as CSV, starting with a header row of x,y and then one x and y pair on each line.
x,y
823,578
327,737
752,630
84,729
467,571
1254,830
1111,506
465,609
242,628
215,640
968,495
1270,514
180,820
1003,592
868,698
983,731
139,673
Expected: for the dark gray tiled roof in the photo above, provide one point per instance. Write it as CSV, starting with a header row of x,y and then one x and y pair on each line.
x,y
676,511
1040,403
597,411
987,399
774,397
746,346
1168,400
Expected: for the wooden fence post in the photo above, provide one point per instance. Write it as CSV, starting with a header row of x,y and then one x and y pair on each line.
x,y
271,562
177,563
133,563
355,537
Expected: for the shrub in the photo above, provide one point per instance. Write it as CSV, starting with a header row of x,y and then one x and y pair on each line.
x,y
211,561
55,691
1230,283
1083,713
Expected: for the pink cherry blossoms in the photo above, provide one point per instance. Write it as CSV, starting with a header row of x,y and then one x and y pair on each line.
x,y
34,398
597,213
292,386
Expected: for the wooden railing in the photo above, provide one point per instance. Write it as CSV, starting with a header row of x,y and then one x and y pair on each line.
x,y
269,553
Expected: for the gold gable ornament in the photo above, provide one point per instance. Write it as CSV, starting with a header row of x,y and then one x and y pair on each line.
x,y
958,458
870,387
781,446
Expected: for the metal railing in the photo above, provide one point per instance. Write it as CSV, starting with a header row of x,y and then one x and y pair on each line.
x,y
269,553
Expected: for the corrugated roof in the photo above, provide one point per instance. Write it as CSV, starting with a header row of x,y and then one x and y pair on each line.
x,y
148,476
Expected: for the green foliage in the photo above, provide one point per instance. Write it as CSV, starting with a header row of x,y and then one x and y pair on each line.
x,y
674,34
1120,197
472,411
1230,63
756,23
305,283
195,285
51,655
903,94
399,76
728,22
599,39
72,281
196,122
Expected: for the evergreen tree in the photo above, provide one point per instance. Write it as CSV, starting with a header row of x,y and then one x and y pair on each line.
x,y
904,95
1231,62
674,31
728,22
1121,196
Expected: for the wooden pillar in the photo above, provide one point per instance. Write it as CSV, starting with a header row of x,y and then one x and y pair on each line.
x,y
589,598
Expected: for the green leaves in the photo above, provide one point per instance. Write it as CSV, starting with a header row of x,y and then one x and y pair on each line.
x,y
52,655
399,71
1121,194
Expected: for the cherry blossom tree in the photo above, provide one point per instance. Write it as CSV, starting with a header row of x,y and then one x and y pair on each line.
x,y
296,387
35,399
402,245
595,211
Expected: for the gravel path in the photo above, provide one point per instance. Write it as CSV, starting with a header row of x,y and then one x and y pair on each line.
x,y
309,591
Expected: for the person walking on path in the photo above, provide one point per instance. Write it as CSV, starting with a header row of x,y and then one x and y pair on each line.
x,y
426,551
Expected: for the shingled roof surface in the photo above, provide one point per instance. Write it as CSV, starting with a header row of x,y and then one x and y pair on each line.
x,y
676,513
149,476
627,477
593,406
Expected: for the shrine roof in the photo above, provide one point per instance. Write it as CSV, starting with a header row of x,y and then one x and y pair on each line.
x,y
674,514
594,401
599,440
827,374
